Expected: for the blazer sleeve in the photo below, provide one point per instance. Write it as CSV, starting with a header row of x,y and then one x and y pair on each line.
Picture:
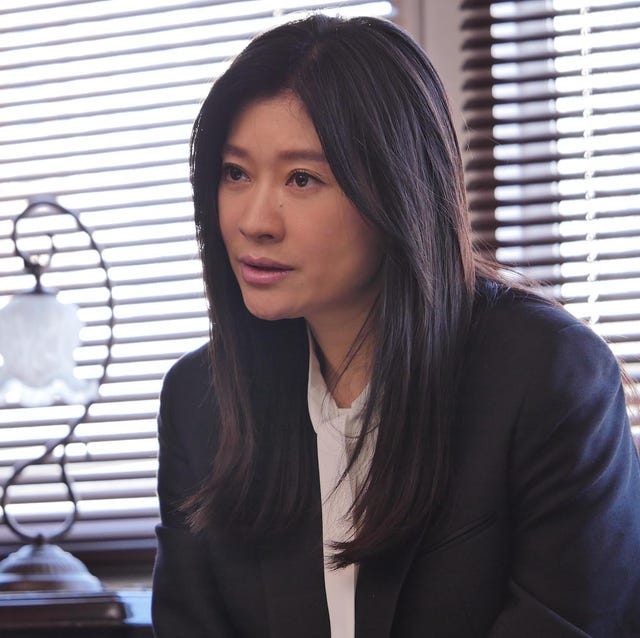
x,y
186,602
575,501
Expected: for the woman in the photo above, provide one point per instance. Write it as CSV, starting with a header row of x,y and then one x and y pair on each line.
x,y
383,438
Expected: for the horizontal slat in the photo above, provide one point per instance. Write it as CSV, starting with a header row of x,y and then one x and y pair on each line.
x,y
164,155
100,452
505,61
611,13
76,266
121,471
89,512
488,221
126,307
481,96
542,176
544,238
539,86
560,4
119,130
565,125
120,13
97,490
126,529
490,202
25,152
532,260
481,122
531,136
487,158
479,39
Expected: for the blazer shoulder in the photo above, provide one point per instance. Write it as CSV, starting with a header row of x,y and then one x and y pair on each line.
x,y
189,375
535,354
520,308
192,363
187,399
532,326
187,426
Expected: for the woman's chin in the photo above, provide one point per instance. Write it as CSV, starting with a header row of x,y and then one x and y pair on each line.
x,y
270,314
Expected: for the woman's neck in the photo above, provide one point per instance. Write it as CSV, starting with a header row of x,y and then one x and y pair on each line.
x,y
344,363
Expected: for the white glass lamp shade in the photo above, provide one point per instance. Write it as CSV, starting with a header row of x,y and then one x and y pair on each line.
x,y
38,335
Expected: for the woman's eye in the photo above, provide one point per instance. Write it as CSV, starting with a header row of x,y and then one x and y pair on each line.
x,y
233,173
301,179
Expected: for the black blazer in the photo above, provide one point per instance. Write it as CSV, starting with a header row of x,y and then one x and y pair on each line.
x,y
542,534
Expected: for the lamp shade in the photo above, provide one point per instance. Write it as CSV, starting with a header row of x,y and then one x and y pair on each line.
x,y
38,336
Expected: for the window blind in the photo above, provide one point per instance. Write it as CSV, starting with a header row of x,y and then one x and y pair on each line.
x,y
98,99
553,110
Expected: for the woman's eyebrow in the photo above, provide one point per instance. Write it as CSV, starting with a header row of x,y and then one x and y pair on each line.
x,y
303,154
230,149
308,155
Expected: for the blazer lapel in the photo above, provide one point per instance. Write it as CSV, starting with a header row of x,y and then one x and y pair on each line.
x,y
293,579
379,584
293,575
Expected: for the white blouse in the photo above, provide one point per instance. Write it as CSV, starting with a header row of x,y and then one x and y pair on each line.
x,y
336,430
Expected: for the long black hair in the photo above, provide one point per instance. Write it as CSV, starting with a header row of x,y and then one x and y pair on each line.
x,y
382,117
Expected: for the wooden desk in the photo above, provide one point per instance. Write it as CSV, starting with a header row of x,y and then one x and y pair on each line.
x,y
123,614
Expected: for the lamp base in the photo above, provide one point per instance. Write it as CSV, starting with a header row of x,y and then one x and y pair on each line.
x,y
60,611
45,567
42,585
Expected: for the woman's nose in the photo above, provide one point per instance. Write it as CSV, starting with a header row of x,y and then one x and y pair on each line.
x,y
261,219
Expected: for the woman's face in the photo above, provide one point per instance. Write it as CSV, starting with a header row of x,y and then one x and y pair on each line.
x,y
297,245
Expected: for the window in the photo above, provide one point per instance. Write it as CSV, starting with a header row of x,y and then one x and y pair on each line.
x,y
98,99
553,108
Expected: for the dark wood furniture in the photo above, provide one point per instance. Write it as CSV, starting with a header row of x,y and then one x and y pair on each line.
x,y
122,614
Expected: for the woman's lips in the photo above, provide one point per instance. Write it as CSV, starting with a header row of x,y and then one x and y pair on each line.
x,y
262,271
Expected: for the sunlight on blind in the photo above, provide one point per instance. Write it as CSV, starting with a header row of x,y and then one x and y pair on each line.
x,y
98,99
554,115
606,168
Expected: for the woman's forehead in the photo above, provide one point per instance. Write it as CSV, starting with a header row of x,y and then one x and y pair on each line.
x,y
280,120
